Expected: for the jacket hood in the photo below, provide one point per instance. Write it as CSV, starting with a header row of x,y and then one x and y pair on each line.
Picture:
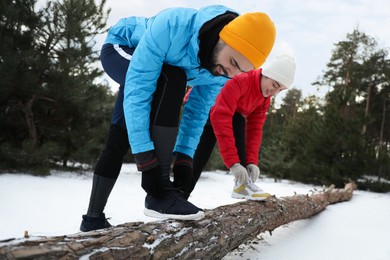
x,y
204,15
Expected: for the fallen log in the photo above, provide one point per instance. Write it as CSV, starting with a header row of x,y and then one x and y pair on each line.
x,y
222,230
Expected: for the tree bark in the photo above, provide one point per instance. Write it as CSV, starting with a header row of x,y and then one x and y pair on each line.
x,y
222,230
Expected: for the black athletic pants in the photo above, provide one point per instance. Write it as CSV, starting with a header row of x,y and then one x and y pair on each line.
x,y
208,140
164,121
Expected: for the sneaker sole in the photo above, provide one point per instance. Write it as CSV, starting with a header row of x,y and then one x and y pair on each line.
x,y
240,196
256,198
155,214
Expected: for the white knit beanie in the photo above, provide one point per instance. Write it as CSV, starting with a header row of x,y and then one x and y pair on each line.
x,y
281,69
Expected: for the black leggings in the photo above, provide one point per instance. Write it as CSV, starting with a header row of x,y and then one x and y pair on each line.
x,y
208,140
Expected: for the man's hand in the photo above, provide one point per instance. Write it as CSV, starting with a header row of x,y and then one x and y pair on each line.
x,y
253,171
240,173
148,164
151,181
182,173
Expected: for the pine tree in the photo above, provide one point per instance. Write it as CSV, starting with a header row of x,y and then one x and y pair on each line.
x,y
79,113
356,74
51,106
21,74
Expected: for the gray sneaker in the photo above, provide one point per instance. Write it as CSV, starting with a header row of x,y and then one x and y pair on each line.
x,y
249,191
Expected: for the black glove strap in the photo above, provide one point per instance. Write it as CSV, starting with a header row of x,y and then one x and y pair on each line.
x,y
146,161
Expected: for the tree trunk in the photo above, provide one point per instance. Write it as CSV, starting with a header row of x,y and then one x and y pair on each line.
x,y
32,130
380,143
222,230
366,111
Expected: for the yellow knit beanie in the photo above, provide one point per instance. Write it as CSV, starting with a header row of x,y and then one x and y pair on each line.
x,y
252,35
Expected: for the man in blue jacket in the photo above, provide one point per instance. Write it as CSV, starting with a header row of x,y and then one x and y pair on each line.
x,y
153,60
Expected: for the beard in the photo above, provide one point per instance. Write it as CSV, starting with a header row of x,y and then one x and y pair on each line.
x,y
214,58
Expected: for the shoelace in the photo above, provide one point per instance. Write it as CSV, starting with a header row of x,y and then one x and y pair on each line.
x,y
178,191
253,186
106,223
172,195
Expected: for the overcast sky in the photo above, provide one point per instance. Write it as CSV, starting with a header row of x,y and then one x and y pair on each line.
x,y
306,29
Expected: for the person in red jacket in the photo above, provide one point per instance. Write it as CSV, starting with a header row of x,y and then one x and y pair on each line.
x,y
237,120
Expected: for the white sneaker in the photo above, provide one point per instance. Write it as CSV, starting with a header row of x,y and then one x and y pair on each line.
x,y
249,191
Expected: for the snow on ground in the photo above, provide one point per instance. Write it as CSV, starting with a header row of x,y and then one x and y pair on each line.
x,y
53,205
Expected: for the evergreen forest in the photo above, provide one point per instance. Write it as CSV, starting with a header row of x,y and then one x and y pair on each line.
x,y
55,108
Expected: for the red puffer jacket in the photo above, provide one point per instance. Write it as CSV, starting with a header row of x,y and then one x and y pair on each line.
x,y
241,94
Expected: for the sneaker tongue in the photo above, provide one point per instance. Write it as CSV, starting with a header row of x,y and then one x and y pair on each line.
x,y
253,185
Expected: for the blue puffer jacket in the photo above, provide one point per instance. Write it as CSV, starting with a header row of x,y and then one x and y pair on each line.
x,y
170,37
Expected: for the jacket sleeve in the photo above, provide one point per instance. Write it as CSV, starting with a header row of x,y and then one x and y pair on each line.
x,y
154,48
194,116
254,132
221,120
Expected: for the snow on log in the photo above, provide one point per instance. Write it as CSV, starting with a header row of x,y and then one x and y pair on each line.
x,y
220,231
